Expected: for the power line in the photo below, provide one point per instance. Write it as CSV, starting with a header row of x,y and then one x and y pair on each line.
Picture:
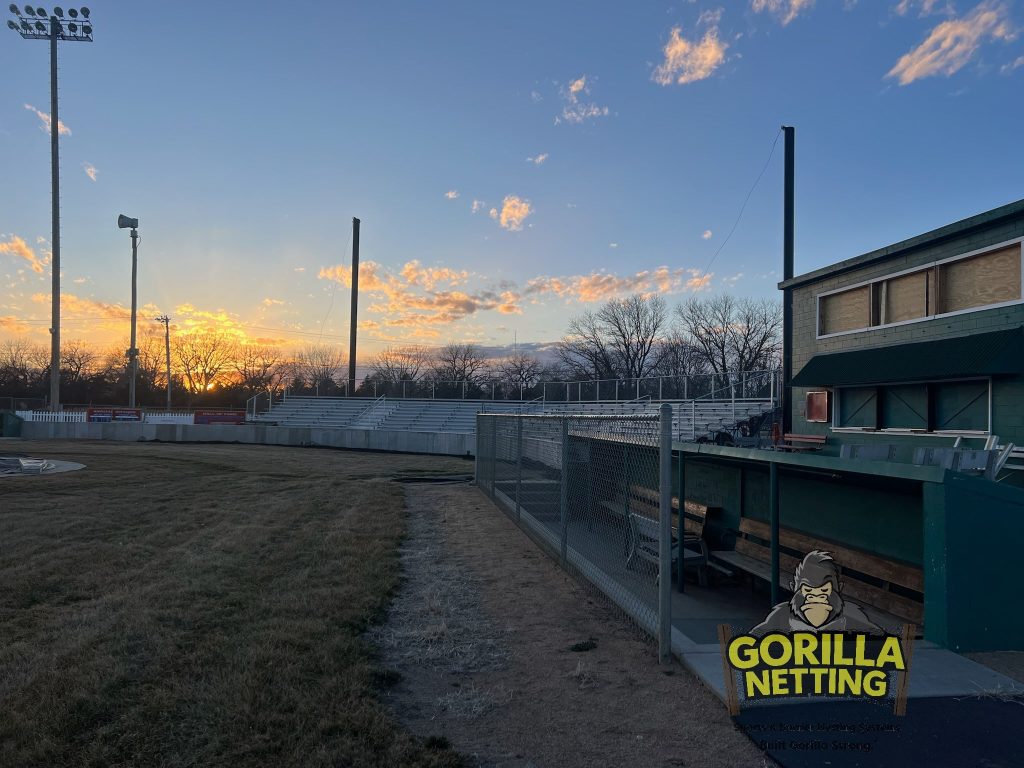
x,y
743,207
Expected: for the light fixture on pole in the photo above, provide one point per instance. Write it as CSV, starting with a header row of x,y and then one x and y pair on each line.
x,y
36,24
125,222
167,346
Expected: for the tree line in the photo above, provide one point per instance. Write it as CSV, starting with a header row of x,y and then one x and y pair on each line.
x,y
717,339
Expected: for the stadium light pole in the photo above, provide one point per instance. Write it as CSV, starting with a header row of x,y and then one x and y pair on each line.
x,y
124,222
167,347
31,26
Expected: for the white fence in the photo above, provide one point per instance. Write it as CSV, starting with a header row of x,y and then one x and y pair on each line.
x,y
72,417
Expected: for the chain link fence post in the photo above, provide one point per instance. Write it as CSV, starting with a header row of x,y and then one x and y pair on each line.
x,y
519,466
563,502
665,540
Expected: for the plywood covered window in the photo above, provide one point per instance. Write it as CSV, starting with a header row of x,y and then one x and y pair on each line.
x,y
990,278
846,311
948,406
958,285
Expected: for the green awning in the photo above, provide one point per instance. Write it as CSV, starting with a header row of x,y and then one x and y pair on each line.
x,y
980,354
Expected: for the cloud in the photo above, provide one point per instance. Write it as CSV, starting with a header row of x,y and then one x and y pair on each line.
x,y
538,160
410,300
44,122
299,269
268,302
951,45
706,234
732,279
711,18
613,245
451,194
478,205
1015,64
536,97
514,211
687,61
13,324
90,170
927,7
601,285
80,280
575,109
786,10
18,247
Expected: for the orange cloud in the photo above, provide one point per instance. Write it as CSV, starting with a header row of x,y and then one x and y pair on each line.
x,y
44,122
18,247
601,286
574,108
13,324
786,10
513,213
952,44
687,61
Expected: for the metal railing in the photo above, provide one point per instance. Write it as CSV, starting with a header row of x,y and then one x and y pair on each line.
x,y
595,493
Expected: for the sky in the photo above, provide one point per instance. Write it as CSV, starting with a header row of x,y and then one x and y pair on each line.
x,y
512,165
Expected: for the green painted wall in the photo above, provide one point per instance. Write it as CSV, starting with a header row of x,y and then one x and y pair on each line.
x,y
972,532
1008,394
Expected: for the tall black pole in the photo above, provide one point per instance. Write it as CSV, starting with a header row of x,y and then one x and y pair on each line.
x,y
355,309
133,353
787,273
55,224
167,347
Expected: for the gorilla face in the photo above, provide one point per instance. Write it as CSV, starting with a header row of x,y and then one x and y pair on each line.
x,y
817,603
816,597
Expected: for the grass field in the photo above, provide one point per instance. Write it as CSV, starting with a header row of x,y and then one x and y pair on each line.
x,y
186,605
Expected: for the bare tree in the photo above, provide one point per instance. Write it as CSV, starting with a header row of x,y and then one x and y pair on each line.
x,y
457,363
77,361
519,372
397,364
732,335
620,340
203,357
257,367
19,365
319,366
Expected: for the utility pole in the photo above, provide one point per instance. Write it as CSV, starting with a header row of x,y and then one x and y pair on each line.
x,y
787,274
126,222
31,27
355,309
167,346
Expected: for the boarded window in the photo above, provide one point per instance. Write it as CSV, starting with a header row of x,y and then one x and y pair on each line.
x,y
905,407
961,405
817,406
857,407
846,311
990,278
906,297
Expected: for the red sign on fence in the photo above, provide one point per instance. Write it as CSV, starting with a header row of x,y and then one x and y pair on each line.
x,y
113,414
219,417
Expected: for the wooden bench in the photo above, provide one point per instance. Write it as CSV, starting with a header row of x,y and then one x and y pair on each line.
x,y
792,442
867,579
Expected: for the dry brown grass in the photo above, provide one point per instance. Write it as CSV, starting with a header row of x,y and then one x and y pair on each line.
x,y
186,605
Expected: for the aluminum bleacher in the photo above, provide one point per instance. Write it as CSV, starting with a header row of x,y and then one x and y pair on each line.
x,y
692,419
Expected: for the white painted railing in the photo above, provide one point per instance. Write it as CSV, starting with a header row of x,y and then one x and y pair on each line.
x,y
63,417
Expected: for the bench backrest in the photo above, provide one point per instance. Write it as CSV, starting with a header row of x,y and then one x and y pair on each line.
x,y
645,526
650,501
791,438
852,564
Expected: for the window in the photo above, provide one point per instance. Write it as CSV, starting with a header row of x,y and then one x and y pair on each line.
x,y
954,406
959,285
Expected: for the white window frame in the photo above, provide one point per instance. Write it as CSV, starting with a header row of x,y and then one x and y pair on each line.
x,y
920,268
837,397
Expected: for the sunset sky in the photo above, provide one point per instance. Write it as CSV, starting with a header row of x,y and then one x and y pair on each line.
x,y
512,164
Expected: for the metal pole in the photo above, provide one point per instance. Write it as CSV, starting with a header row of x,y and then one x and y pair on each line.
x,y
519,463
55,224
787,274
167,347
661,386
773,519
665,537
133,353
563,501
680,583
353,323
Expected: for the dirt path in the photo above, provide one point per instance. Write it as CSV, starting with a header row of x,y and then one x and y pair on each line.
x,y
481,634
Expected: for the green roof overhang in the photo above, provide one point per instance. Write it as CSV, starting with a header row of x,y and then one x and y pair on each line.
x,y
981,354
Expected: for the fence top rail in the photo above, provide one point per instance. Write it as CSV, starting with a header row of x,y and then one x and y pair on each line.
x,y
576,416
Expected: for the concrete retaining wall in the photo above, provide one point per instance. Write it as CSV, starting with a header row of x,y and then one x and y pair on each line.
x,y
441,443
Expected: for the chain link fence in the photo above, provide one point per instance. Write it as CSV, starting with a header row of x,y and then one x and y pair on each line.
x,y
595,493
